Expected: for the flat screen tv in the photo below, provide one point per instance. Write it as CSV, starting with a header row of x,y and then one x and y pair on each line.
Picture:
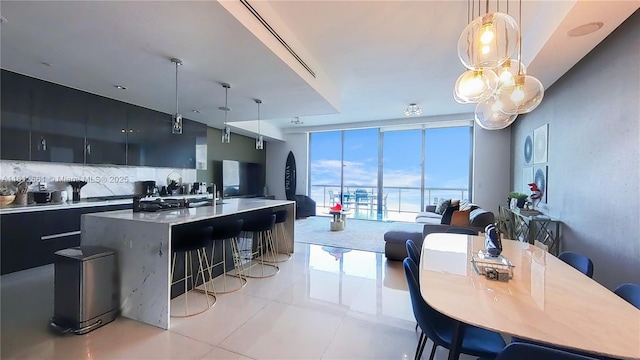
x,y
241,179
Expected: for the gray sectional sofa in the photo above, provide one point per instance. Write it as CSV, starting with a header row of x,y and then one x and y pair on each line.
x,y
394,247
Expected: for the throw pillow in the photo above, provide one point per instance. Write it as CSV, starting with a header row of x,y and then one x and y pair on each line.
x,y
443,204
455,203
460,218
464,204
446,217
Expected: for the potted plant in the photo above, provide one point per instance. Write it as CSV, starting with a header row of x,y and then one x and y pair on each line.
x,y
521,198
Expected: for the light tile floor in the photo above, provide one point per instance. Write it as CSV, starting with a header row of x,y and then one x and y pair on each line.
x,y
324,304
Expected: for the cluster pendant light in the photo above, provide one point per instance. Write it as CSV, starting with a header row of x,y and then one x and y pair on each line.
x,y
176,119
259,139
226,131
495,80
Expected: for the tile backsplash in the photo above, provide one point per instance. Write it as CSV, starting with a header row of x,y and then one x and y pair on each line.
x,y
102,180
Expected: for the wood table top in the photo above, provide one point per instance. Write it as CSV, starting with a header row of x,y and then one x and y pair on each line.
x,y
546,300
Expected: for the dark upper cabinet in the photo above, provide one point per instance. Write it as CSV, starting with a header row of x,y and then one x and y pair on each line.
x,y
15,120
143,140
58,124
151,143
182,147
106,131
42,121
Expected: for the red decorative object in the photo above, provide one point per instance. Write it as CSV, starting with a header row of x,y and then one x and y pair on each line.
x,y
536,194
336,207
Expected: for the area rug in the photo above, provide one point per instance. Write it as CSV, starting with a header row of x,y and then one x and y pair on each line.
x,y
367,235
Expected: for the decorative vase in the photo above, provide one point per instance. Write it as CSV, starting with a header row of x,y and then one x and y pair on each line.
x,y
520,203
21,199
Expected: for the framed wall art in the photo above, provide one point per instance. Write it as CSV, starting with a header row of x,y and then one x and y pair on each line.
x,y
540,144
528,149
540,178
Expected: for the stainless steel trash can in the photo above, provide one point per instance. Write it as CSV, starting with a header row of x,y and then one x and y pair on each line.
x,y
86,289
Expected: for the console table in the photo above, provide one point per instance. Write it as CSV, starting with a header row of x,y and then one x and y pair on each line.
x,y
529,228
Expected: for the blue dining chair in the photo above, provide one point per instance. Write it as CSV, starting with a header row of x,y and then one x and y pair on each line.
x,y
630,292
578,262
440,328
525,351
412,251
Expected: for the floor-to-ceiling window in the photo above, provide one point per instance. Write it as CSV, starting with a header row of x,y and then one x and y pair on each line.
x,y
389,174
447,163
325,153
360,175
402,172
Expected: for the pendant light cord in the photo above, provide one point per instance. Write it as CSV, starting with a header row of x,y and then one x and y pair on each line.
x,y
258,101
177,64
226,104
520,39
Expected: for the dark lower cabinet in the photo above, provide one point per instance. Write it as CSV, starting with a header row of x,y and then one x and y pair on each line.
x,y
30,239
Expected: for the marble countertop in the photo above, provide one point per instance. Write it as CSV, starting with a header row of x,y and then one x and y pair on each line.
x,y
13,209
185,215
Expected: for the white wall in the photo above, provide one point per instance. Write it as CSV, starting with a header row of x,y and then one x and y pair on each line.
x,y
277,153
491,167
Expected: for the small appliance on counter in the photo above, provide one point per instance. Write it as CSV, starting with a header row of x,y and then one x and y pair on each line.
x,y
146,188
76,186
42,197
199,188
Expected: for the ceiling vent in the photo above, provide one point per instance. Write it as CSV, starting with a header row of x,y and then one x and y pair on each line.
x,y
278,37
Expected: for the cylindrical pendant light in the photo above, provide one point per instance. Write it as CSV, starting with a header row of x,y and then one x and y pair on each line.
x,y
176,119
259,139
226,131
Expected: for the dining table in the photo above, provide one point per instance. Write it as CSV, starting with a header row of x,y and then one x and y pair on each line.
x,y
545,300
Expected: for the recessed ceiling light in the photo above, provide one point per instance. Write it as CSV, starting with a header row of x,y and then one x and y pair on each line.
x,y
120,87
46,63
224,108
585,29
196,111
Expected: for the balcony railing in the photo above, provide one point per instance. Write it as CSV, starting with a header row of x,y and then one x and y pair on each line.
x,y
396,199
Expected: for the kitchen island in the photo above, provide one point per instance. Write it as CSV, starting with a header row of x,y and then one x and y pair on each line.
x,y
143,244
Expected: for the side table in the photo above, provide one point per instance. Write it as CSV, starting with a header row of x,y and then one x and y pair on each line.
x,y
531,228
339,219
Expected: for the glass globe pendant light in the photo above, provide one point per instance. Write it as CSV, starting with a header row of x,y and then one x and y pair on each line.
x,y
226,131
488,41
475,85
259,139
489,115
526,92
507,72
523,96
